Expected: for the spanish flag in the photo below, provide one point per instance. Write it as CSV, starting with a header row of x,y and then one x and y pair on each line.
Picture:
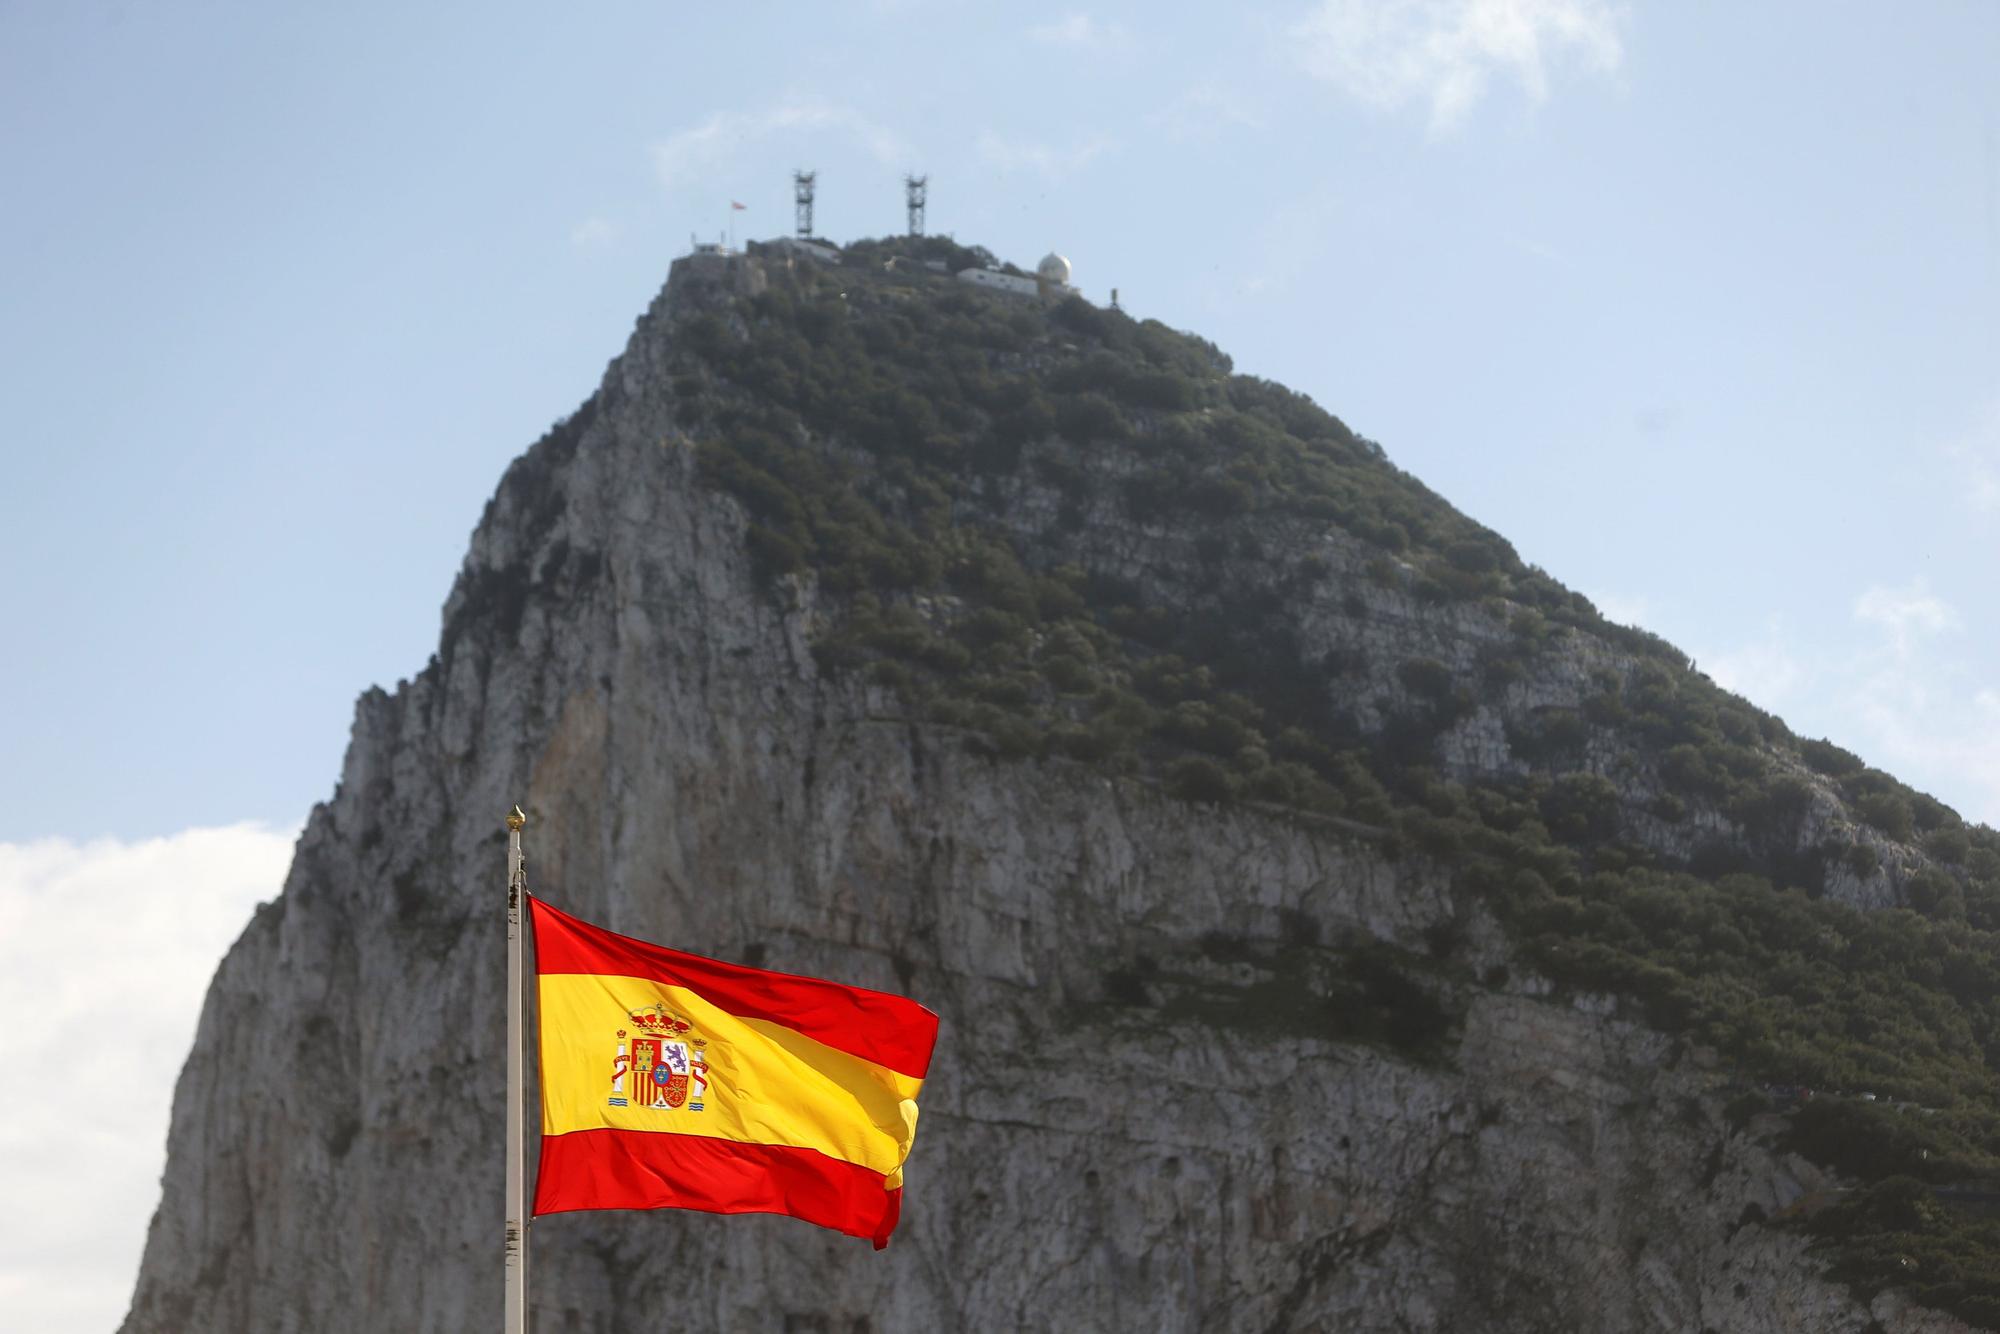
x,y
671,1081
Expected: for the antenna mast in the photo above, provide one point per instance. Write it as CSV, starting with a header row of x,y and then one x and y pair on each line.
x,y
802,194
913,199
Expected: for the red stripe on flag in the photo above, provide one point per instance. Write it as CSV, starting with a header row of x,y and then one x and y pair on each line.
x,y
892,1031
649,1169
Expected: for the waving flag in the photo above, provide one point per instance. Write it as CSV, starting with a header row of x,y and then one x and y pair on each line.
x,y
738,207
673,1081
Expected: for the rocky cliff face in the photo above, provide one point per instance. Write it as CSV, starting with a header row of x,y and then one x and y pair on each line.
x,y
1172,1091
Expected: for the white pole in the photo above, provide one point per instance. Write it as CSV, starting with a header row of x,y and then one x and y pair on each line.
x,y
517,1231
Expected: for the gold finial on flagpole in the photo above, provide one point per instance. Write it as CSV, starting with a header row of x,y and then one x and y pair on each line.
x,y
516,821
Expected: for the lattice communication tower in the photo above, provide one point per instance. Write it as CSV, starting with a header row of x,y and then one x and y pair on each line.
x,y
913,199
802,194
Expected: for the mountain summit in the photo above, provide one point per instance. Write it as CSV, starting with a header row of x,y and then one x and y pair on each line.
x,y
1336,923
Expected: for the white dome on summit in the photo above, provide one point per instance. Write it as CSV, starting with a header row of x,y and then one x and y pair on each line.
x,y
1054,269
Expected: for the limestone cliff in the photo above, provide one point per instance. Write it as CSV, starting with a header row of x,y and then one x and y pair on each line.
x,y
1177,1086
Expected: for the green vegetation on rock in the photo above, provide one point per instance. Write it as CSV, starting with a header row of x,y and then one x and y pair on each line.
x,y
981,490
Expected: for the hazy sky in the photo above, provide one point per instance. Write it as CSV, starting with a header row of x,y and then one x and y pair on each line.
x,y
1697,304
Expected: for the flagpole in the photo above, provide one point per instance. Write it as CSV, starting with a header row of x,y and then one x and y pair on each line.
x,y
517,1232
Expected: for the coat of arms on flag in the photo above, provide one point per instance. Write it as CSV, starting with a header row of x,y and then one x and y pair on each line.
x,y
661,1063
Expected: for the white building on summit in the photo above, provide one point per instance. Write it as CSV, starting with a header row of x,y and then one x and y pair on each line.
x,y
1051,279
997,281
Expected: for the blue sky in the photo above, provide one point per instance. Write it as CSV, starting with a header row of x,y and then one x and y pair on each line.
x,y
1695,304
1698,304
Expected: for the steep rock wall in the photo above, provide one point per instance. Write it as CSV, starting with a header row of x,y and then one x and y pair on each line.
x,y
1095,1153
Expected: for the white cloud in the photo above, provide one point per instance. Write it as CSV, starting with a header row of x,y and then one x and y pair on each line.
x,y
106,949
1909,614
1899,697
1766,672
1931,732
1389,53
594,233
1081,30
1931,720
1047,160
1621,610
1286,247
1204,110
1978,459
687,155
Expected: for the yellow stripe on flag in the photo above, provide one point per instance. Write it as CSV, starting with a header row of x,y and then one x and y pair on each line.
x,y
768,1084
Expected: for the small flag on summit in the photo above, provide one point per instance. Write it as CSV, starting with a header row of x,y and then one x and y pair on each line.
x,y
672,1081
738,207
